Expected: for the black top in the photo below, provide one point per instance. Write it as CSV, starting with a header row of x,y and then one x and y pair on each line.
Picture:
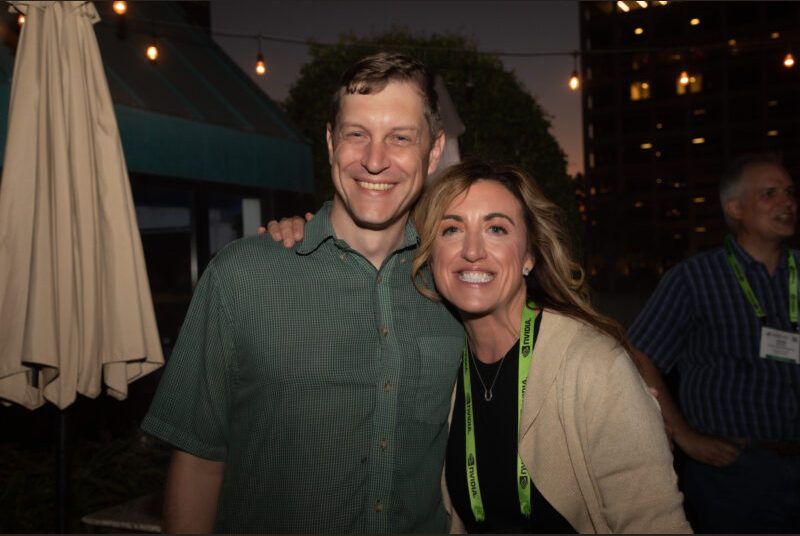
x,y
496,430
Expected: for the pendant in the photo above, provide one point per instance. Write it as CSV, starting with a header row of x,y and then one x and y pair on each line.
x,y
487,395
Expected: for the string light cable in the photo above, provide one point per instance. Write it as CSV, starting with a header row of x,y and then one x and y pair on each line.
x,y
786,57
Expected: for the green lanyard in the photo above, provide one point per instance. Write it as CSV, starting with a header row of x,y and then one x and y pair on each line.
x,y
526,337
748,291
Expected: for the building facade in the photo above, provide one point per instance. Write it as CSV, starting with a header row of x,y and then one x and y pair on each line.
x,y
672,91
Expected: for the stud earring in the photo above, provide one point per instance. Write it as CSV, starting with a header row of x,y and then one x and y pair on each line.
x,y
526,271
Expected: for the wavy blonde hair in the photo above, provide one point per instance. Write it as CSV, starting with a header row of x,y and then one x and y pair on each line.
x,y
556,282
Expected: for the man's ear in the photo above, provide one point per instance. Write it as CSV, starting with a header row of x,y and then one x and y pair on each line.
x,y
733,209
437,147
329,140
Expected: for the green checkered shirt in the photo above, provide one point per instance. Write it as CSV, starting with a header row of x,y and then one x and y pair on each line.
x,y
322,383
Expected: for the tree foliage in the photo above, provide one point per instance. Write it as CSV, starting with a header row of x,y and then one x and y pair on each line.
x,y
503,121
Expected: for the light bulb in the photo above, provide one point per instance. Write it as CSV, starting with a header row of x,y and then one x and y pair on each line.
x,y
261,66
21,19
684,78
152,52
120,7
574,81
788,60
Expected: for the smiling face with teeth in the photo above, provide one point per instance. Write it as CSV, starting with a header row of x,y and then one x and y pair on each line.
x,y
766,208
380,153
480,251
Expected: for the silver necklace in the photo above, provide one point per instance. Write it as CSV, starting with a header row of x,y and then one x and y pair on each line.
x,y
487,393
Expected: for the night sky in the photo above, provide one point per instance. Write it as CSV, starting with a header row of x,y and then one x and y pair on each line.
x,y
515,26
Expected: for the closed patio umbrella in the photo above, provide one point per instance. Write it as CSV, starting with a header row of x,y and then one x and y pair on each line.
x,y
76,314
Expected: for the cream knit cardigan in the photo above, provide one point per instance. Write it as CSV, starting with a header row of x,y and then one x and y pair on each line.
x,y
593,437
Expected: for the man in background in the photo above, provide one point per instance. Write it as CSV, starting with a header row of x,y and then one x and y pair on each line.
x,y
727,319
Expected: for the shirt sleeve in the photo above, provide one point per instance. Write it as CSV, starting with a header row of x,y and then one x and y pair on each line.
x,y
191,407
660,330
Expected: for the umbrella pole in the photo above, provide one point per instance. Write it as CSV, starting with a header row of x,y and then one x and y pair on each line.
x,y
62,473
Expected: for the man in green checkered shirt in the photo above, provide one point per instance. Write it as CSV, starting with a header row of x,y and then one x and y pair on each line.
x,y
309,388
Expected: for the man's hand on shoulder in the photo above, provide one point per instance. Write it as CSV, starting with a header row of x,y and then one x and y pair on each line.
x,y
289,231
705,448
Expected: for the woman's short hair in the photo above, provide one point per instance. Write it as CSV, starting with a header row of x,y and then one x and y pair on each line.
x,y
556,281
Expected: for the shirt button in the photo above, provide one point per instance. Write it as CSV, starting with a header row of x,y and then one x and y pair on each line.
x,y
385,331
387,387
377,507
402,260
342,257
384,444
379,279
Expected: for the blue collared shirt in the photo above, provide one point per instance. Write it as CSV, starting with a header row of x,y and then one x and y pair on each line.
x,y
699,319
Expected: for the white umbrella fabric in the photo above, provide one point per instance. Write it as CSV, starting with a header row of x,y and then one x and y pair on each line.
x,y
76,313
453,128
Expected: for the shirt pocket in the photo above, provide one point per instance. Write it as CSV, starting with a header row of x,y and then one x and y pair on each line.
x,y
440,359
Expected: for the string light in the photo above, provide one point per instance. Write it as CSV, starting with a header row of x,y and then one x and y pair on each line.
x,y
21,19
261,66
152,52
574,83
574,80
120,7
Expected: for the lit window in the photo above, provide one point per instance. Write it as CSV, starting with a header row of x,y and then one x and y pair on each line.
x,y
623,6
677,236
592,191
698,141
646,146
590,131
732,42
638,31
659,180
638,204
591,162
642,3
772,133
695,85
659,126
676,184
695,21
699,200
775,35
700,229
640,91
658,154
699,111
772,102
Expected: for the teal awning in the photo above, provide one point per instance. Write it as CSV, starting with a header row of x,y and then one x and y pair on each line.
x,y
194,114
159,144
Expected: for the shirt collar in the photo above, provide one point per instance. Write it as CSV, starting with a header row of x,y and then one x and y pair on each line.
x,y
748,261
320,229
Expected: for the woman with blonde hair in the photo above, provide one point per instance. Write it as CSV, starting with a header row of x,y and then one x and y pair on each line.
x,y
552,428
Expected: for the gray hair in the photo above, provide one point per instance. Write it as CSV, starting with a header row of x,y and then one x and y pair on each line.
x,y
730,184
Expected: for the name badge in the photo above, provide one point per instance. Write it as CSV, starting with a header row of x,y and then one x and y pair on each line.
x,y
780,345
